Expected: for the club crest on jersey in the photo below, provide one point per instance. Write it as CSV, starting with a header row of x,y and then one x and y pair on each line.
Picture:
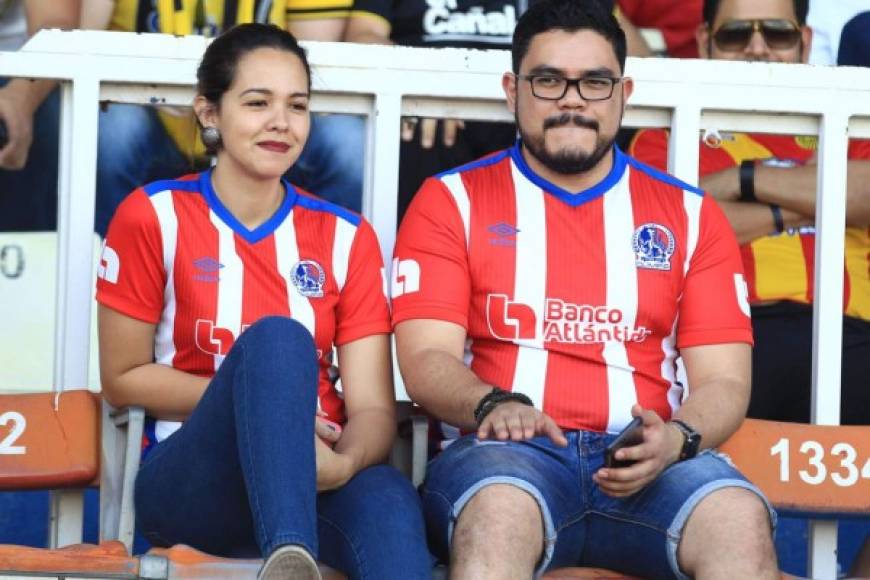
x,y
653,246
308,278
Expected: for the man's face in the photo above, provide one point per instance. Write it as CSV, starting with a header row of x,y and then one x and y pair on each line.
x,y
570,134
755,30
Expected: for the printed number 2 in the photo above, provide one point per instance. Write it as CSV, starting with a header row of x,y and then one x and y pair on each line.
x,y
18,424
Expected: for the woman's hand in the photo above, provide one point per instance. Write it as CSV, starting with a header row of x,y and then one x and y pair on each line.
x,y
333,469
328,431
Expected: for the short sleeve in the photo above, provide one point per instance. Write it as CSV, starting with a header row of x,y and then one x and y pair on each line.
x,y
131,276
650,146
430,277
714,308
362,306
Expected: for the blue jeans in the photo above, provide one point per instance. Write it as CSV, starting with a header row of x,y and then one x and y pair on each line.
x,y
332,163
238,478
637,535
133,148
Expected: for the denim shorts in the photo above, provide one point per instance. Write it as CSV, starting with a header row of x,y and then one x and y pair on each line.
x,y
583,527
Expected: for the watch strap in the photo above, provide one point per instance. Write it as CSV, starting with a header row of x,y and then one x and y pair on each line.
x,y
691,439
747,180
495,397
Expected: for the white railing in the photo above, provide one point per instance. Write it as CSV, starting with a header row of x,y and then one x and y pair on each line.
x,y
384,83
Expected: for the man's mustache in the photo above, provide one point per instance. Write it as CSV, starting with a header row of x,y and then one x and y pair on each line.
x,y
568,119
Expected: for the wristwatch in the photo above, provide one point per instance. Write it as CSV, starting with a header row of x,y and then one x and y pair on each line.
x,y
691,440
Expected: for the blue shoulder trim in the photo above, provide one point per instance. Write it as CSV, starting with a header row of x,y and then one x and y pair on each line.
x,y
662,176
156,187
328,207
484,162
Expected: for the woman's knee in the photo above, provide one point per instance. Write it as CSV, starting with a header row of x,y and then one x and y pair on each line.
x,y
281,335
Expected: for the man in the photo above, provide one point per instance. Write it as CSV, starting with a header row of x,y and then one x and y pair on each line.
x,y
766,184
541,297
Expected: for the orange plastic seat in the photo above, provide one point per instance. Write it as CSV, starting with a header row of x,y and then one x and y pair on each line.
x,y
109,559
822,469
49,440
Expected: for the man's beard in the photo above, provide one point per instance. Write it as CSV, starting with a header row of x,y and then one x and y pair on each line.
x,y
571,161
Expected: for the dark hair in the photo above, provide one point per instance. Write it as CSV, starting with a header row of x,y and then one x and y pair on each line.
x,y
711,8
218,67
570,16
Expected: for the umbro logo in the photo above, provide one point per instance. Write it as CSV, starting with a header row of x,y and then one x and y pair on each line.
x,y
504,233
208,269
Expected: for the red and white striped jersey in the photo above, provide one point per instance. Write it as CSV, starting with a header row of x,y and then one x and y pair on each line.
x,y
176,257
579,300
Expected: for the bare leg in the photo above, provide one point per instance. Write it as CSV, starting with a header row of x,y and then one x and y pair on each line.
x,y
499,536
728,536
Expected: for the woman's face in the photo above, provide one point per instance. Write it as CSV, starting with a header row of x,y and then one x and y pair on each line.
x,y
263,117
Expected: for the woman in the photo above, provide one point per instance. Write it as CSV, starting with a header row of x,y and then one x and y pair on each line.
x,y
221,297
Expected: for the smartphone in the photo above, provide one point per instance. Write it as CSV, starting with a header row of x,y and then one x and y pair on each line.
x,y
631,435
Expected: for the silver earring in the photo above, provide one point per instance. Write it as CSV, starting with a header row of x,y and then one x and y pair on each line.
x,y
211,138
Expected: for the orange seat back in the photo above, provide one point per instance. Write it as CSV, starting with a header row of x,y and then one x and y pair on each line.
x,y
49,440
809,468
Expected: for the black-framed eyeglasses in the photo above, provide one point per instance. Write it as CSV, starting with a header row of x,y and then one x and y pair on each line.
x,y
553,87
778,33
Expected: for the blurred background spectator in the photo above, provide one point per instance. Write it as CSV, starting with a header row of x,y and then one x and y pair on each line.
x,y
675,20
28,166
827,18
766,185
855,41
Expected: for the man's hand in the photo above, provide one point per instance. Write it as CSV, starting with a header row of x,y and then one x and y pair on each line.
x,y
428,129
661,447
16,112
518,422
333,469
723,185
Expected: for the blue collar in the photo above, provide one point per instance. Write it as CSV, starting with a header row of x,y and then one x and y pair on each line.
x,y
261,231
580,197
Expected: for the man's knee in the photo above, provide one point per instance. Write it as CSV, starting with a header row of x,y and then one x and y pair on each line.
x,y
498,514
731,520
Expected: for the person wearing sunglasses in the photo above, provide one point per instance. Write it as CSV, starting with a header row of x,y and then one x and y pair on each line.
x,y
766,184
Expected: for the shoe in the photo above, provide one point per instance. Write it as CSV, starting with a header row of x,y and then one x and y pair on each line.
x,y
289,562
